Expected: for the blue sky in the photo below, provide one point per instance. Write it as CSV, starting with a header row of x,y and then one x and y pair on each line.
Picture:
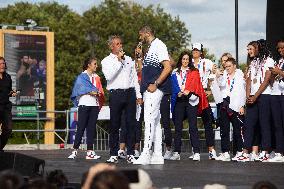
x,y
210,22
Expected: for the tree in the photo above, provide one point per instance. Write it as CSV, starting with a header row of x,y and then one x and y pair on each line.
x,y
70,42
76,36
126,18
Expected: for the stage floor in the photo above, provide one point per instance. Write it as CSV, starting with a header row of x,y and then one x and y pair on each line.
x,y
173,174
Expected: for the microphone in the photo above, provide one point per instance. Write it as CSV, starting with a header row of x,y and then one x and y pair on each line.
x,y
122,52
139,46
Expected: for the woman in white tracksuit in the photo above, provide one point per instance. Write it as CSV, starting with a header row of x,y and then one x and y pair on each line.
x,y
232,107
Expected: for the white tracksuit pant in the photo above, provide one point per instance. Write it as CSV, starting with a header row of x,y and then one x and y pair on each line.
x,y
153,131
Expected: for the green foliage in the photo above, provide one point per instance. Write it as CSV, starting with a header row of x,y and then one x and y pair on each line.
x,y
243,67
19,137
78,36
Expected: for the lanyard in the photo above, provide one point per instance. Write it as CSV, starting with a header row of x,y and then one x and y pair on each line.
x,y
231,85
93,80
203,66
183,77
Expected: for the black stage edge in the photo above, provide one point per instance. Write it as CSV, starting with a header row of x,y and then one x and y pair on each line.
x,y
173,174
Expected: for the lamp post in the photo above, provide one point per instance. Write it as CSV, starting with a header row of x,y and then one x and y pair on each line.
x,y
236,32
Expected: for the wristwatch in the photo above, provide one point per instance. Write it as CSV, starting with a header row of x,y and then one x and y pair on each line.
x,y
156,83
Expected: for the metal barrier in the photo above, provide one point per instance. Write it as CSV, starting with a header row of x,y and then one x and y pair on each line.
x,y
101,141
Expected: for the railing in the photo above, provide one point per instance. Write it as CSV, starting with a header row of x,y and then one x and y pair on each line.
x,y
101,141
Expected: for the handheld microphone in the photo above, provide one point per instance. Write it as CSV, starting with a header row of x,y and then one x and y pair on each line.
x,y
122,52
139,46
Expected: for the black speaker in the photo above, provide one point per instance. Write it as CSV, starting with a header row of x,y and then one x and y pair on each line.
x,y
274,23
23,164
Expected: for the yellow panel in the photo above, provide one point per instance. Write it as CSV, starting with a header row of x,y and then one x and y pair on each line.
x,y
50,102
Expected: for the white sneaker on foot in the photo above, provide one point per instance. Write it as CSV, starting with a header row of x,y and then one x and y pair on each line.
x,y
175,156
73,154
224,157
136,154
238,154
253,156
157,159
112,159
277,158
92,155
121,154
191,157
262,157
168,154
196,157
130,159
212,154
144,159
244,158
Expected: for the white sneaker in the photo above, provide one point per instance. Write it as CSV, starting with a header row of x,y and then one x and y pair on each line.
x,y
262,157
238,154
112,159
219,157
136,154
175,156
191,157
73,155
277,158
212,154
272,154
224,157
157,159
196,157
168,154
243,158
92,155
253,156
130,159
121,154
144,159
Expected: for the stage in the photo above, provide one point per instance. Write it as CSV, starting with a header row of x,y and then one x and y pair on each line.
x,y
173,174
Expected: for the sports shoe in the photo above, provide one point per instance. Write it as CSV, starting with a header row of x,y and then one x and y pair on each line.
x,y
277,158
212,154
175,156
238,154
272,154
224,157
121,154
136,154
168,154
262,157
157,159
191,157
144,159
73,155
92,155
196,157
253,156
243,158
112,159
130,158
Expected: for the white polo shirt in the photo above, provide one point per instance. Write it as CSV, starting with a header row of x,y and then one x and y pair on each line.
x,y
120,75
